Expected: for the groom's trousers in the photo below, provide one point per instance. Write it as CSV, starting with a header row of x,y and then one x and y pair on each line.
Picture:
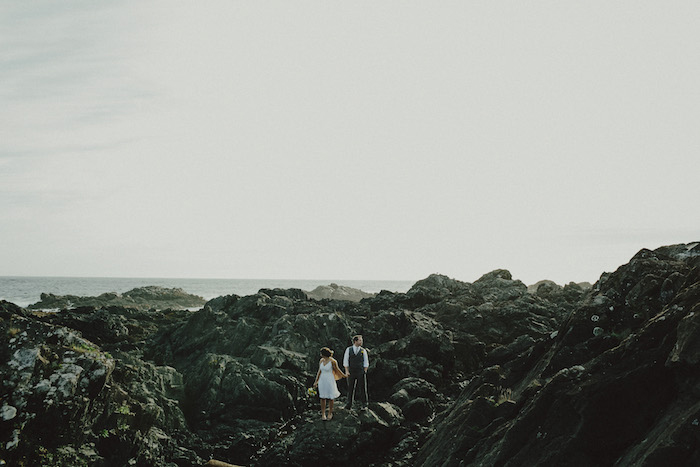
x,y
357,387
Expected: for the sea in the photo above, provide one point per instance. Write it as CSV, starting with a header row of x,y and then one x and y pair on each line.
x,y
24,290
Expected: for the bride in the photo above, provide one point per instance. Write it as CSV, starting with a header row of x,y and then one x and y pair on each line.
x,y
328,373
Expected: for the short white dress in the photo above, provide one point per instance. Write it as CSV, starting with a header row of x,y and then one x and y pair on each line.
x,y
327,388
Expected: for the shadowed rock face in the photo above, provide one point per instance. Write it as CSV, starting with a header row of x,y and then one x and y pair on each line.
x,y
480,374
140,298
618,384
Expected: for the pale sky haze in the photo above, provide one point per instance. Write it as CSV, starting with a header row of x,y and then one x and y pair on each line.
x,y
346,140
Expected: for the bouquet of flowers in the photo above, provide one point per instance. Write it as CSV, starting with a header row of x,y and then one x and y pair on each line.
x,y
312,392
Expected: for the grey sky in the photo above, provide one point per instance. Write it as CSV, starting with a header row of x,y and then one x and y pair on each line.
x,y
346,140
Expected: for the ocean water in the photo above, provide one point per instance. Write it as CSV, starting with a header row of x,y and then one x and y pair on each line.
x,y
24,291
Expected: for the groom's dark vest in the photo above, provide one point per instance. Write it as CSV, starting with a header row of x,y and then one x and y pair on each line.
x,y
356,362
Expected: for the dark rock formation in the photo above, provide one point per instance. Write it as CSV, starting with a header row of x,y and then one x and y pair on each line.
x,y
140,298
617,385
486,373
67,402
346,440
551,285
338,292
225,381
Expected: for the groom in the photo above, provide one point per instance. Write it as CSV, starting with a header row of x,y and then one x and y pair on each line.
x,y
356,363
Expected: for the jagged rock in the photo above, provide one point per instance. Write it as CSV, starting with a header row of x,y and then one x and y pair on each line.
x,y
116,327
141,298
338,292
417,387
444,284
680,251
348,439
418,410
686,351
414,345
227,388
546,286
295,294
499,285
433,289
225,302
504,353
266,357
581,399
66,402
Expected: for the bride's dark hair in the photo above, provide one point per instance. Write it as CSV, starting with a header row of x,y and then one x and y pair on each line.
x,y
326,352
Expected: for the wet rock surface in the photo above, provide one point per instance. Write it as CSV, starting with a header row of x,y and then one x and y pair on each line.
x,y
483,373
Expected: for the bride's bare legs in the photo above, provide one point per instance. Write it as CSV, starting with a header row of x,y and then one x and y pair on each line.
x,y
330,408
323,409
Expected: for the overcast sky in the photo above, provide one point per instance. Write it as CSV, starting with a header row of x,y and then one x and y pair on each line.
x,y
346,140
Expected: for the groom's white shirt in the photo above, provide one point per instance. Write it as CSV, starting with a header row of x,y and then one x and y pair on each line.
x,y
355,349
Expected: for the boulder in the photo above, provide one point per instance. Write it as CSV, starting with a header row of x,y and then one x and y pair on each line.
x,y
418,410
499,285
342,441
434,289
338,292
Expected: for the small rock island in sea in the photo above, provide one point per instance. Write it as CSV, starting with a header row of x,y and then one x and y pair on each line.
x,y
338,292
482,373
141,298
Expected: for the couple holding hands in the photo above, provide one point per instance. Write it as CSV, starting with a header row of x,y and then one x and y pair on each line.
x,y
355,362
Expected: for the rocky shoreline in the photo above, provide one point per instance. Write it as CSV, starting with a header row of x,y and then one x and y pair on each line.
x,y
140,298
162,298
483,373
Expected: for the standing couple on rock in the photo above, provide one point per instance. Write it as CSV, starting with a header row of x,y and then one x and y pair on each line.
x,y
356,362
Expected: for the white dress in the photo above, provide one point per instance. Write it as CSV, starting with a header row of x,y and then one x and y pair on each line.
x,y
327,388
